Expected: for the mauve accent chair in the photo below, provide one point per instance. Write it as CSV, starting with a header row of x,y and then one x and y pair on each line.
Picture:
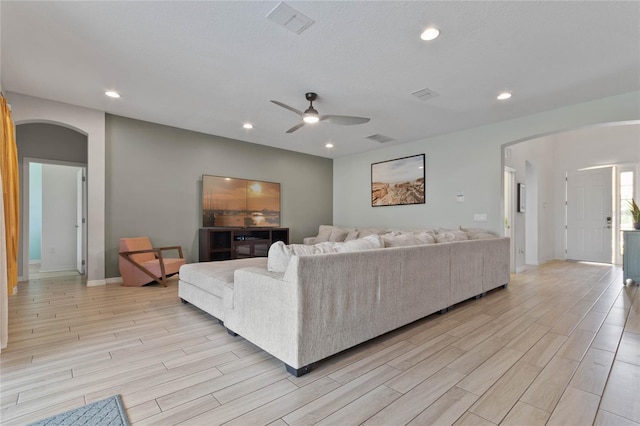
x,y
141,263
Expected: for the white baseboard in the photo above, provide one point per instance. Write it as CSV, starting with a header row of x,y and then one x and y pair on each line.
x,y
60,268
95,283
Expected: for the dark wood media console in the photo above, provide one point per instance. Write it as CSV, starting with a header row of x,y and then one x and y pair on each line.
x,y
237,243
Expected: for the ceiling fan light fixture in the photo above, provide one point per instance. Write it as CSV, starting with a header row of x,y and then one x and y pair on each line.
x,y
429,34
311,115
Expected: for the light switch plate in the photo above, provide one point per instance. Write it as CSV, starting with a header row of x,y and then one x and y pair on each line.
x,y
480,217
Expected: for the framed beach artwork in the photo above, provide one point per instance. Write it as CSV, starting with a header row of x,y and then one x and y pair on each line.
x,y
398,182
239,202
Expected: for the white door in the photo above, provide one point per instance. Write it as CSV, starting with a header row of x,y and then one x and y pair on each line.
x,y
589,211
81,222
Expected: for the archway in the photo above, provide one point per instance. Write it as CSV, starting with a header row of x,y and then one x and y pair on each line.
x,y
550,156
53,161
27,109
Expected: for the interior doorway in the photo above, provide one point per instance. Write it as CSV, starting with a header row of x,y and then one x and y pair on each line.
x,y
54,207
509,197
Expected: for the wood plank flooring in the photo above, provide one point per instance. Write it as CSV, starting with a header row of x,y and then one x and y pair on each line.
x,y
559,346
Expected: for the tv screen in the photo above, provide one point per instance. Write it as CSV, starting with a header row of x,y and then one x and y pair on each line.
x,y
239,202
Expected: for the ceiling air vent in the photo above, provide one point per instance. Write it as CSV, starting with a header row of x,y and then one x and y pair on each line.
x,y
290,18
380,138
425,94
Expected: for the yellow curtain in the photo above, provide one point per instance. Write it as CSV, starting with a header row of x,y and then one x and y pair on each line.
x,y
10,194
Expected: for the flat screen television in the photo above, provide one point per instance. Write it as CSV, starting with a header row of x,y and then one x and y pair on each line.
x,y
242,203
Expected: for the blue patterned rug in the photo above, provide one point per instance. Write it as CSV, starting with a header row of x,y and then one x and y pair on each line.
x,y
108,412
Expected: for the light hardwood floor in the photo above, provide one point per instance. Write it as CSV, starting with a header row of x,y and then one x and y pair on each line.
x,y
560,346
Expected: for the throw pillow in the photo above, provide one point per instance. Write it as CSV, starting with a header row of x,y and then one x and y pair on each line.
x,y
425,237
400,240
353,235
338,235
278,257
370,242
324,233
445,237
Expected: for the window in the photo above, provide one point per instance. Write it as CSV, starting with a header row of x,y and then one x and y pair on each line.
x,y
626,194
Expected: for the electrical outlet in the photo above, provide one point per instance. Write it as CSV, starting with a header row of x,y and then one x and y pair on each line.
x,y
480,217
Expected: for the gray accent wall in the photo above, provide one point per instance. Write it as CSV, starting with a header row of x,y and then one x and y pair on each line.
x,y
154,183
50,142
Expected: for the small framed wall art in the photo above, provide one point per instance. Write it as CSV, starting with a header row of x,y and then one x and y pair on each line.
x,y
521,198
398,182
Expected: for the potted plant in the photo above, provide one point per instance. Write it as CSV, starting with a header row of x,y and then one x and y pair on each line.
x,y
635,213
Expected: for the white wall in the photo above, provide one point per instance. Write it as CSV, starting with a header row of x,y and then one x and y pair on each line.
x,y
534,165
27,109
469,161
59,201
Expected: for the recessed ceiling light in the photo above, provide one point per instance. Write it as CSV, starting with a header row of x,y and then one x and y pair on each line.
x,y
112,94
430,34
328,145
247,126
504,95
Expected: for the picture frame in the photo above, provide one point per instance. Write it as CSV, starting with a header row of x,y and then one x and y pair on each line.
x,y
245,203
521,198
400,181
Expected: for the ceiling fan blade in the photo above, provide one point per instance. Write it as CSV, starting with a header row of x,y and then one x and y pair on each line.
x,y
292,109
344,120
296,127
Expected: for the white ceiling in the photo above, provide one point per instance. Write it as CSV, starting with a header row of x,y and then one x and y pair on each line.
x,y
211,66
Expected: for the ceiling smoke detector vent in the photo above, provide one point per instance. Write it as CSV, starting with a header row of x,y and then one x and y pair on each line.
x,y
380,138
425,94
290,18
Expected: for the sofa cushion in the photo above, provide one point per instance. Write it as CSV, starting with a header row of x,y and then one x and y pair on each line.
x,y
213,276
280,253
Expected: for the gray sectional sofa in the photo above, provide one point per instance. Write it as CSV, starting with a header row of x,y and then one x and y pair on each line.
x,y
322,304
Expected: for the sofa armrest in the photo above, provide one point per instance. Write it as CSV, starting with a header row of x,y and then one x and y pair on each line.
x,y
264,311
309,240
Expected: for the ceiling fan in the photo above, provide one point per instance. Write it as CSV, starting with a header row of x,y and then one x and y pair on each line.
x,y
310,115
